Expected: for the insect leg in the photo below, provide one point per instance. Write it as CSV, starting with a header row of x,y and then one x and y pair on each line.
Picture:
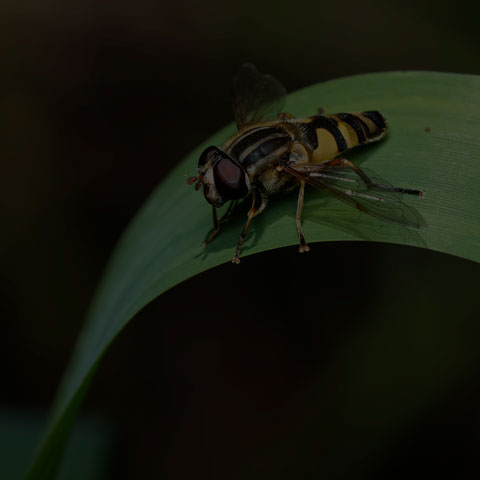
x,y
216,222
259,203
303,245
368,181
229,211
216,228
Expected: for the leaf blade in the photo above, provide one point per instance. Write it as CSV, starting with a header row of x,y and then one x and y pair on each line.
x,y
161,247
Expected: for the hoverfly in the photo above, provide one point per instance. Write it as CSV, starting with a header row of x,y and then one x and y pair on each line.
x,y
275,152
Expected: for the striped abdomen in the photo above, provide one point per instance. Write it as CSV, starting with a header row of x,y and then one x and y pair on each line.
x,y
330,135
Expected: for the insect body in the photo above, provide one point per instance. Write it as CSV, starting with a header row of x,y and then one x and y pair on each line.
x,y
275,152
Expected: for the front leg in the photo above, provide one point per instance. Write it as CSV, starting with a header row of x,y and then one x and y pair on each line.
x,y
216,228
216,222
259,202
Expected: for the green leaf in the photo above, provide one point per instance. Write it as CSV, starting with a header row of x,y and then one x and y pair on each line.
x,y
433,145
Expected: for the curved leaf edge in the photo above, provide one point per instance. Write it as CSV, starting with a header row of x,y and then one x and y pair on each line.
x,y
68,401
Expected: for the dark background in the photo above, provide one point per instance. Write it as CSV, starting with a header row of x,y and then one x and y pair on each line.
x,y
358,360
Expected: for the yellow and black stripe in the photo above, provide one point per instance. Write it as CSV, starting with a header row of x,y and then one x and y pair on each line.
x,y
330,135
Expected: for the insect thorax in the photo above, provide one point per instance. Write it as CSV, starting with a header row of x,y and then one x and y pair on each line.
x,y
256,148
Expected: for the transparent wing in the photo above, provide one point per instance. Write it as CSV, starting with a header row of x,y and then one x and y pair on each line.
x,y
256,97
377,199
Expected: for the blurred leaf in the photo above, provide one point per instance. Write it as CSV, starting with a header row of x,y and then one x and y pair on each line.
x,y
433,145
87,456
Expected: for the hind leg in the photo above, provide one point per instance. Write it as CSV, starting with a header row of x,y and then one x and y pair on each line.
x,y
303,245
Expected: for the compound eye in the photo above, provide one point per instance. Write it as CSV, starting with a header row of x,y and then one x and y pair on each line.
x,y
229,180
205,156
